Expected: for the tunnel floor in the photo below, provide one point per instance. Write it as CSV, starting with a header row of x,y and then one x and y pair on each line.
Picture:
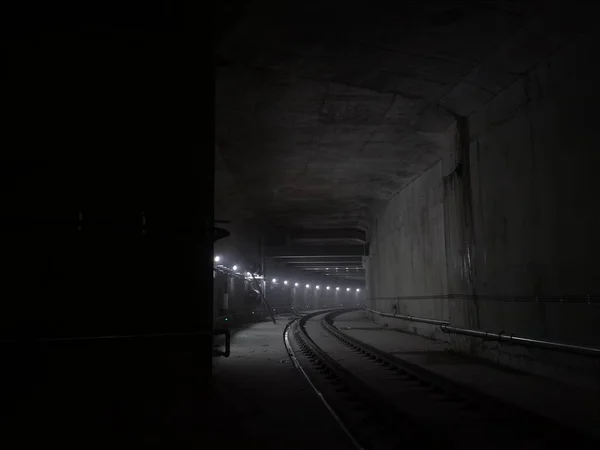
x,y
571,405
261,401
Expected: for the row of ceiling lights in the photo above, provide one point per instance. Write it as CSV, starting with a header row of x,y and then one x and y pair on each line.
x,y
285,282
274,281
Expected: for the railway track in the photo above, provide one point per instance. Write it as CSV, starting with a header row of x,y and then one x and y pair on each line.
x,y
383,402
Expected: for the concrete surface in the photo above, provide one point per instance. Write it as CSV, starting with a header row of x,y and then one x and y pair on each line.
x,y
407,251
513,217
317,103
533,161
260,401
567,404
461,138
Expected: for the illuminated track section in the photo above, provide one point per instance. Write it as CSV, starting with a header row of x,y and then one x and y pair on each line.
x,y
383,402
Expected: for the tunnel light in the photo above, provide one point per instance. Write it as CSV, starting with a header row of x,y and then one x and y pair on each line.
x,y
274,280
328,288
341,304
307,286
296,284
252,312
285,282
357,290
346,268
337,288
326,268
348,289
226,319
235,268
217,258
248,274
317,287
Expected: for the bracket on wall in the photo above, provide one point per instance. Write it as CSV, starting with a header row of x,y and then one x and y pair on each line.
x,y
220,233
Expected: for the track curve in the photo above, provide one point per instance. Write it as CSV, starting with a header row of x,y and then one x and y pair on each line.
x,y
383,402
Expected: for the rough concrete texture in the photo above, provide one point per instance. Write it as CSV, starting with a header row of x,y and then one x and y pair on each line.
x,y
571,405
262,402
533,161
519,216
407,251
319,104
478,114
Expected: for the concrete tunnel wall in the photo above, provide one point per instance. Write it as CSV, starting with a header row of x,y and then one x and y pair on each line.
x,y
407,251
519,218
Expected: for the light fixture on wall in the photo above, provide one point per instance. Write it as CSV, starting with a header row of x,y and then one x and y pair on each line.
x,y
348,289
357,290
337,288
285,282
317,287
217,258
235,268
327,288
296,284
274,280
307,286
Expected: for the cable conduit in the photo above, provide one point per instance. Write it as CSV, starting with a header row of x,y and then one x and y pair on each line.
x,y
446,327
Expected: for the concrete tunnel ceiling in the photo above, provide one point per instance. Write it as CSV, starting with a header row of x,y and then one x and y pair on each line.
x,y
323,109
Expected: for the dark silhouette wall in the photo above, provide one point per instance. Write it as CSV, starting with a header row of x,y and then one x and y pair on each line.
x,y
103,231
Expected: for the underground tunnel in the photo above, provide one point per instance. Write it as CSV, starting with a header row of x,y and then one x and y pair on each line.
x,y
440,157
386,237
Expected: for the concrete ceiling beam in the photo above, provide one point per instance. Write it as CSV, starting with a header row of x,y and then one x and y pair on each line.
x,y
328,235
333,260
342,279
332,264
315,251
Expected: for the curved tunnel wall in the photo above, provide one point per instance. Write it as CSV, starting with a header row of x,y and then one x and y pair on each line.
x,y
512,213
